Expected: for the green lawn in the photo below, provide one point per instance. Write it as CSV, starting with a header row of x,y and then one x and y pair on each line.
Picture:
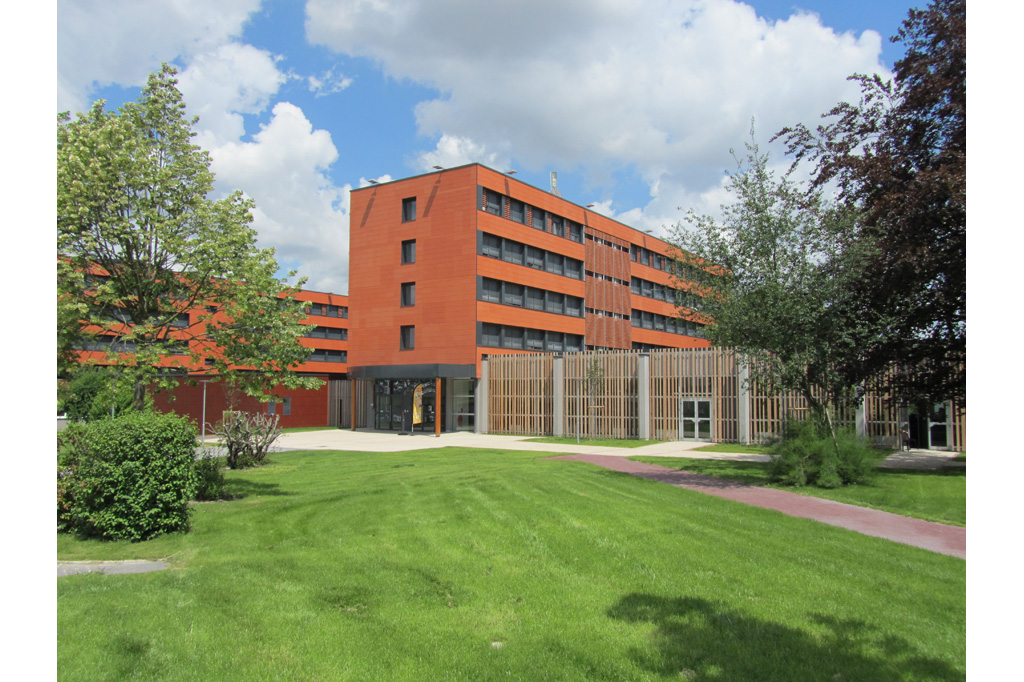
x,y
939,495
595,442
460,564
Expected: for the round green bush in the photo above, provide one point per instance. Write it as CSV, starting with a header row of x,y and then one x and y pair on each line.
x,y
133,476
806,455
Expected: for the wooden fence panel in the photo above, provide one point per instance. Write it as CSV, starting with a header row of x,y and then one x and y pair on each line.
x,y
600,397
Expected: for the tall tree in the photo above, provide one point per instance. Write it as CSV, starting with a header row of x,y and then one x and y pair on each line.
x,y
774,274
150,269
899,156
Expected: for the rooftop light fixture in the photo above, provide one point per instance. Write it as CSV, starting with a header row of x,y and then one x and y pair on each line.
x,y
510,172
438,168
372,182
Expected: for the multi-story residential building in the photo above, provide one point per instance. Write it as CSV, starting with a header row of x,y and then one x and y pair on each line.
x,y
204,400
447,267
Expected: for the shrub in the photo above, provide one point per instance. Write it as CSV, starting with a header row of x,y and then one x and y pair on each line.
x,y
209,479
806,455
247,437
65,496
93,391
132,477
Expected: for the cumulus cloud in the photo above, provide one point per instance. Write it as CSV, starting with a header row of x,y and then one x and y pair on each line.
x,y
453,150
664,87
221,85
106,42
300,212
283,167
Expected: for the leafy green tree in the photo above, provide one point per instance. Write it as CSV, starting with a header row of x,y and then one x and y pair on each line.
x,y
150,269
899,156
775,273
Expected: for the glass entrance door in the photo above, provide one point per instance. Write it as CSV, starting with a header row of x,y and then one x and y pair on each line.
x,y
394,404
695,422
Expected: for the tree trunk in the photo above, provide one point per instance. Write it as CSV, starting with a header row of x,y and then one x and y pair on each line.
x,y
139,397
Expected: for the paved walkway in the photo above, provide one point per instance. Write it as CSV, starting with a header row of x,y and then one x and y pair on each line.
x,y
937,537
112,567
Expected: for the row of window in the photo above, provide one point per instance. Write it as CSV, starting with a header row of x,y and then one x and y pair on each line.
x,y
518,253
663,292
606,313
531,216
117,344
639,254
605,242
334,333
327,355
325,310
662,323
180,321
521,296
519,338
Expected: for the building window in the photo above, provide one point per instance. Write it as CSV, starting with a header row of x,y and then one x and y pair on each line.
x,y
408,251
535,299
575,231
513,337
491,246
408,337
492,202
271,407
513,252
408,209
517,211
538,219
557,226
491,290
490,335
408,294
286,407
535,257
513,294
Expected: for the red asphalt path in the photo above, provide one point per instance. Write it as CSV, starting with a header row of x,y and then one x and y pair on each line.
x,y
937,537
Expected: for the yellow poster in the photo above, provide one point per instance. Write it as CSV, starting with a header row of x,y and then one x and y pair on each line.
x,y
417,404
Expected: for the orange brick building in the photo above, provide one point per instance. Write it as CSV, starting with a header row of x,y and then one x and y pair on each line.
x,y
447,267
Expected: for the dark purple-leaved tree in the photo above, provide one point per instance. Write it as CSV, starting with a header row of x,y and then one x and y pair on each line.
x,y
899,157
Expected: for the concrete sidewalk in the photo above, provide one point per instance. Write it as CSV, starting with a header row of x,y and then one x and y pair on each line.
x,y
389,441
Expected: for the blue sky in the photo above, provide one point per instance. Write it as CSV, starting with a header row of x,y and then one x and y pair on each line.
x,y
635,103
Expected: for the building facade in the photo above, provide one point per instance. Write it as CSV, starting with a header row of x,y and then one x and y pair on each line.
x,y
448,267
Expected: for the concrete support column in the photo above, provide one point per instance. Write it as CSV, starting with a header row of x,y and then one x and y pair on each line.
x,y
558,396
643,395
742,402
480,399
862,419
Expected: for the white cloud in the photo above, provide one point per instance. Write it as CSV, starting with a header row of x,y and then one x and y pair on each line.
x,y
666,87
221,85
328,83
300,212
104,42
283,167
453,150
